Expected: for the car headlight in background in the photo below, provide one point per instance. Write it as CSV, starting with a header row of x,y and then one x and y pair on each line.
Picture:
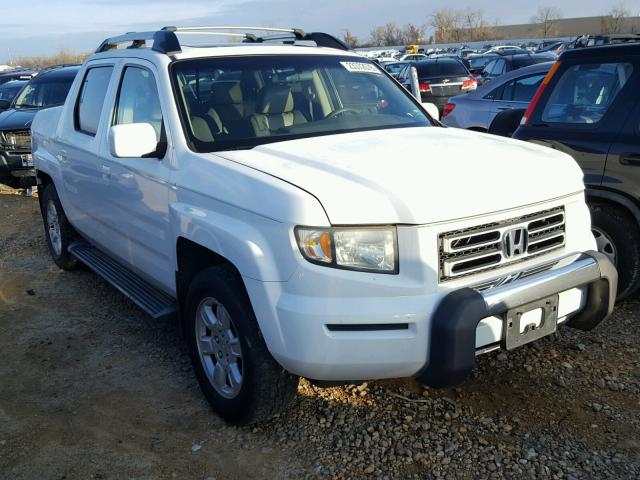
x,y
367,249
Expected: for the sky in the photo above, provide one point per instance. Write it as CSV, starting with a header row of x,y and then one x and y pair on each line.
x,y
47,26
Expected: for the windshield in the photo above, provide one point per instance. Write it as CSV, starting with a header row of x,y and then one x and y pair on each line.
x,y
43,92
394,67
9,90
241,102
481,62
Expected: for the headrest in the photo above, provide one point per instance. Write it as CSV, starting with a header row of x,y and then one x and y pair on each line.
x,y
226,93
275,99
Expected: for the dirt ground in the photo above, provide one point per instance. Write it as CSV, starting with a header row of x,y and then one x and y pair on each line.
x,y
92,388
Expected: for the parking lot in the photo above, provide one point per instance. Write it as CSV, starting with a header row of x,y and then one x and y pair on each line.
x,y
92,388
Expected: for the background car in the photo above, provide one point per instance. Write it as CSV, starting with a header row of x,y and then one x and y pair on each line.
x,y
506,63
439,79
18,74
589,109
412,58
8,92
394,68
476,110
479,61
48,89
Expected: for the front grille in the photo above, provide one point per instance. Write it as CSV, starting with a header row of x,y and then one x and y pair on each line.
x,y
489,246
18,139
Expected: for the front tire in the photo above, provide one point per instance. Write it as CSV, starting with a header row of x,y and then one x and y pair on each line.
x,y
237,374
618,237
58,231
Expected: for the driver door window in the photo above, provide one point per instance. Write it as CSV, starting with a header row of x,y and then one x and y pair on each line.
x,y
138,101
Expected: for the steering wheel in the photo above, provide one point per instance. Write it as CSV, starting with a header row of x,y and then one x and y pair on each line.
x,y
342,111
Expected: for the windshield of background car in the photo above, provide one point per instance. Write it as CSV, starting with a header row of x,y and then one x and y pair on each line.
x,y
480,62
241,102
584,93
442,69
394,67
9,90
44,91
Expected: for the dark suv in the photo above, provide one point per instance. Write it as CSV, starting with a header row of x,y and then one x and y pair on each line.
x,y
588,107
506,63
48,89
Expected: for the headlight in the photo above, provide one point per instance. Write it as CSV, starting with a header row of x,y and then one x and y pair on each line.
x,y
367,249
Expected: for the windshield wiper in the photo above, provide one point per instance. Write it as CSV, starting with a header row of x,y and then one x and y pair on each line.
x,y
26,105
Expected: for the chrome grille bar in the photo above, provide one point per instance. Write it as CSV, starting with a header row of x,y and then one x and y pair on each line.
x,y
481,248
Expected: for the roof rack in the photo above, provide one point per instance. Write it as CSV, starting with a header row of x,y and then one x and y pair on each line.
x,y
166,41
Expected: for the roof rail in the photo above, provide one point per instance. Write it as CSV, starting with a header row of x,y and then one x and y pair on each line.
x,y
166,41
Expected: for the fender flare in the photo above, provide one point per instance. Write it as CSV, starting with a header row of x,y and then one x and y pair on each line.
x,y
616,198
259,248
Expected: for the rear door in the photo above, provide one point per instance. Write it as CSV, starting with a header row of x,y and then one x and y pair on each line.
x,y
582,112
516,93
79,153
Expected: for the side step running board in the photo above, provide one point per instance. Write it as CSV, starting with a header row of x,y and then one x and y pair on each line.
x,y
155,302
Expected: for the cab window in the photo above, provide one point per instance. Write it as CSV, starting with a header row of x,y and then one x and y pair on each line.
x,y
522,89
91,99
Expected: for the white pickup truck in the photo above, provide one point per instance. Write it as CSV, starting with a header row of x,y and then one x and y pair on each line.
x,y
303,215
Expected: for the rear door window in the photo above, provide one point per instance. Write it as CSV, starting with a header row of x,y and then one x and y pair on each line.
x,y
91,99
489,68
522,89
584,93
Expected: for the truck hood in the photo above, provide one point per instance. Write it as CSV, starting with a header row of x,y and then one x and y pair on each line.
x,y
17,119
416,175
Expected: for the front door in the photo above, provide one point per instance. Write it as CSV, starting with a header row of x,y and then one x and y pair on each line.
x,y
138,199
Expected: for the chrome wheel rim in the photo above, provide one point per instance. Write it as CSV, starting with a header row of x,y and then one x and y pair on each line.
x,y
605,245
219,347
53,227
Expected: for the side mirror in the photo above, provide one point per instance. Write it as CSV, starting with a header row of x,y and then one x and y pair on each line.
x,y
132,140
432,110
4,104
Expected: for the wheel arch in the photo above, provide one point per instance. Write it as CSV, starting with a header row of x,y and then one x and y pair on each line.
x,y
614,199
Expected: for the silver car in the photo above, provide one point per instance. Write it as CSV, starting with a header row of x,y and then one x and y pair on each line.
x,y
476,110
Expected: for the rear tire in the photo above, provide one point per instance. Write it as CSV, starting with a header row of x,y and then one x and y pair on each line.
x,y
237,374
57,229
618,238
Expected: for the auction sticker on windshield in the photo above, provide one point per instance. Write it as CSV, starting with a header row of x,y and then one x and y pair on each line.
x,y
361,67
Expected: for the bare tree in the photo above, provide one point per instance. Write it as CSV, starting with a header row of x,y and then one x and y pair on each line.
x,y
547,17
613,22
476,26
62,57
446,24
376,37
413,34
349,38
461,26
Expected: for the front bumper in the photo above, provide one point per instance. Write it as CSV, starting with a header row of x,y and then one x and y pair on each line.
x,y
17,164
324,328
454,323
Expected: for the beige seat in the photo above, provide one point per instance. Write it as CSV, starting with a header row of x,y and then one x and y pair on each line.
x,y
275,109
223,113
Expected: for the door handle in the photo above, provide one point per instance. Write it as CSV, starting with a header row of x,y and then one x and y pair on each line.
x,y
631,159
106,170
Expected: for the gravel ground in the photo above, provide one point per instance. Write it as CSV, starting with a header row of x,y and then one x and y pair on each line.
x,y
90,387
